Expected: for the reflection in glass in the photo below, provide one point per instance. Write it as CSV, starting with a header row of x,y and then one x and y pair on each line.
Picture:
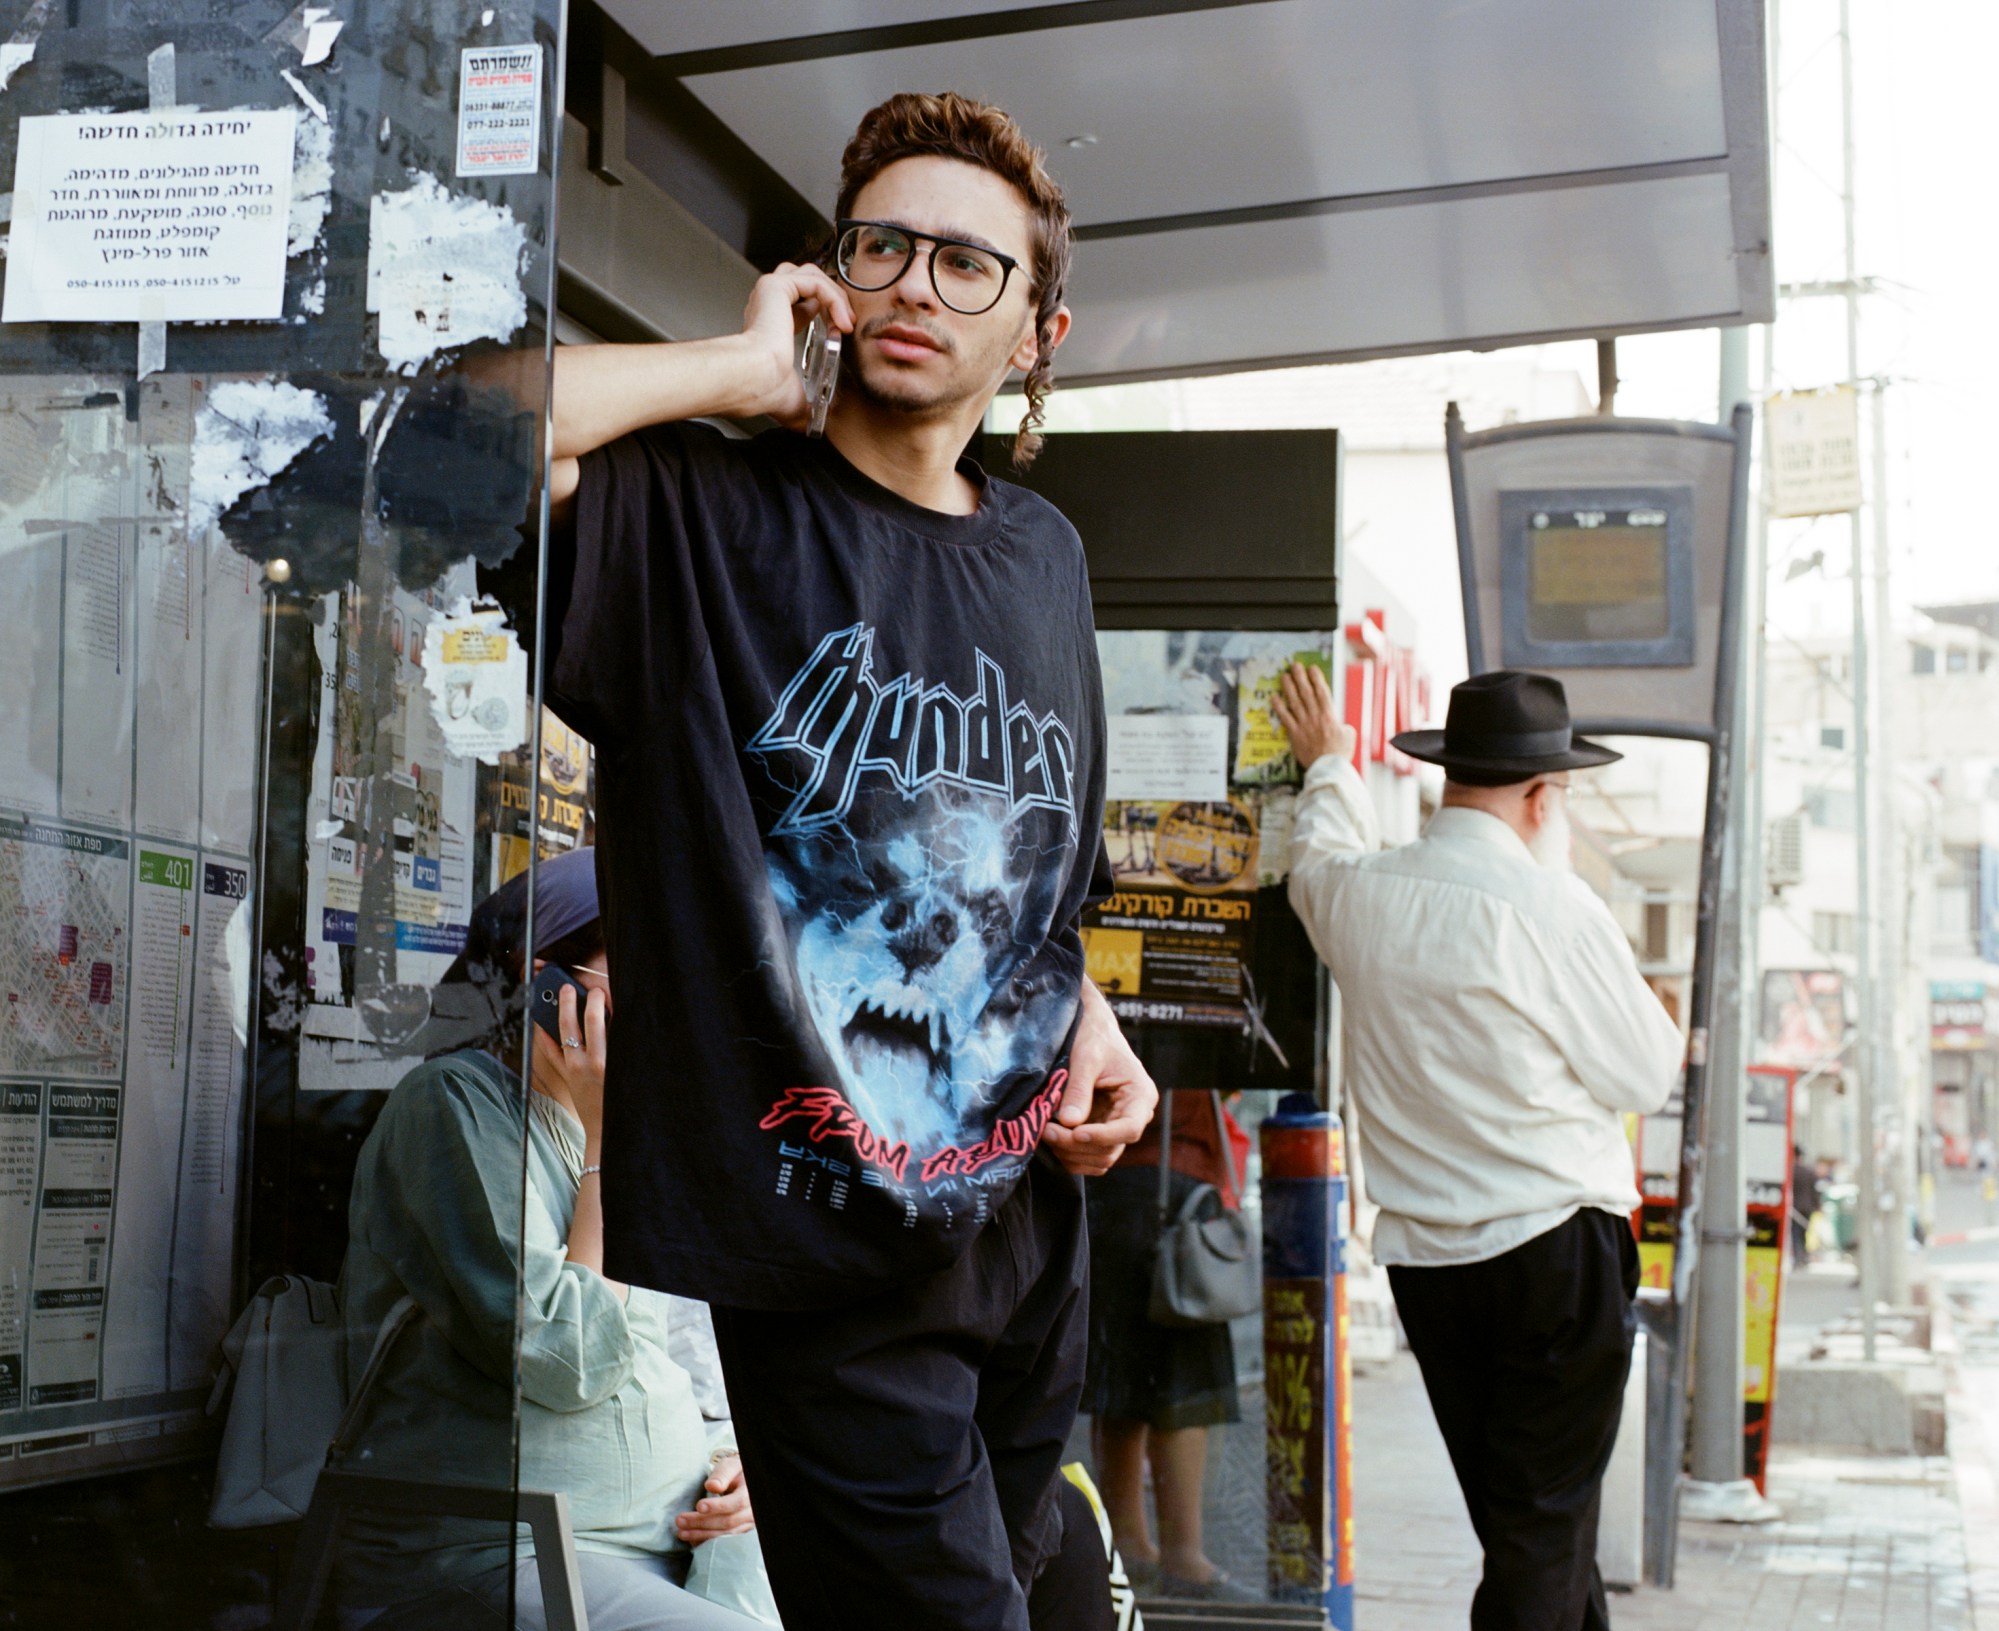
x,y
244,817
621,1403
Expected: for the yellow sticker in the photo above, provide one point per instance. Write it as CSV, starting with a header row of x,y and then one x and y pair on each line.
x,y
1114,958
476,645
1263,750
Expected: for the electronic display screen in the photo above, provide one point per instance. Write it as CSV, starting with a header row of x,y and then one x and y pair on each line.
x,y
1597,574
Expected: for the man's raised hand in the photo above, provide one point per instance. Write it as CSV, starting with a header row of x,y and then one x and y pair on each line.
x,y
1304,707
602,392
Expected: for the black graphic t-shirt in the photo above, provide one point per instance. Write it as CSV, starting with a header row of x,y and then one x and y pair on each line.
x,y
850,798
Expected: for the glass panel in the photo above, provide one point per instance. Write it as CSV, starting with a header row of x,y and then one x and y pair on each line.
x,y
1210,1442
271,372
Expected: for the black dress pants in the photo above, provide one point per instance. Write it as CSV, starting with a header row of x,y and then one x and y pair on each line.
x,y
902,1452
1525,1357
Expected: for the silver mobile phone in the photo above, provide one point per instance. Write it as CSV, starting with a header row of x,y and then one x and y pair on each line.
x,y
820,369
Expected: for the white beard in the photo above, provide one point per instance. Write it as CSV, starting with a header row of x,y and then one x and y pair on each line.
x,y
1550,846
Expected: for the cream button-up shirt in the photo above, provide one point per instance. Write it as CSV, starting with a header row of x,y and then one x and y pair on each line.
x,y
1496,1025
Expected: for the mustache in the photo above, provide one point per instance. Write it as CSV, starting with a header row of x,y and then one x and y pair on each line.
x,y
875,326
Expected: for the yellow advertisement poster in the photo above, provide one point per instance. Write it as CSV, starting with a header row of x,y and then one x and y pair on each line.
x,y
1767,1200
560,815
1759,1326
1171,943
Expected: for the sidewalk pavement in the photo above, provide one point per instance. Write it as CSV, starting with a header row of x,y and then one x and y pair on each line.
x,y
1865,1541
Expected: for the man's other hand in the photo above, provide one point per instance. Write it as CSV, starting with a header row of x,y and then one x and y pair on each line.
x,y
1304,707
1109,1099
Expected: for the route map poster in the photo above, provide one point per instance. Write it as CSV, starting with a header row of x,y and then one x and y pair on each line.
x,y
128,748
1174,941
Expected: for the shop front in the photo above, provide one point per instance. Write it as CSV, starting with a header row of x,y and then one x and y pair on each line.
x,y
1964,1069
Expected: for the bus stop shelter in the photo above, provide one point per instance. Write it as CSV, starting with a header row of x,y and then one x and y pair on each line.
x,y
237,539
1254,184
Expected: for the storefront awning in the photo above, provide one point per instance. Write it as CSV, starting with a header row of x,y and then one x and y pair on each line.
x,y
1265,182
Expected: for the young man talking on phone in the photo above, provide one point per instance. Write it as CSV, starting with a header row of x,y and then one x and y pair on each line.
x,y
850,730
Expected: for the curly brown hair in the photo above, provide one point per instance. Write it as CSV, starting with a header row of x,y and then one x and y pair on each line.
x,y
912,125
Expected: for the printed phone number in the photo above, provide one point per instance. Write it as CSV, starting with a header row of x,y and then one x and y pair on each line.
x,y
224,281
1132,1008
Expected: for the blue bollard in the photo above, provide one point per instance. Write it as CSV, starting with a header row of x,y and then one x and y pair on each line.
x,y
1308,1393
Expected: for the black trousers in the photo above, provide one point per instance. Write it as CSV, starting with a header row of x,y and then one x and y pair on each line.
x,y
1525,1357
902,1452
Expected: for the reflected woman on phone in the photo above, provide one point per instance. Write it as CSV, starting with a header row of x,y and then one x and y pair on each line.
x,y
613,1380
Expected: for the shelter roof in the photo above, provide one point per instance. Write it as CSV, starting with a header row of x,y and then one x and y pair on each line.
x,y
1267,182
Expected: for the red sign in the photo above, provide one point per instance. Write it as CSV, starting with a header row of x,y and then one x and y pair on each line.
x,y
1386,692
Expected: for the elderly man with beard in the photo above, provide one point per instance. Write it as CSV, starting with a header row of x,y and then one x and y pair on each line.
x,y
1497,1031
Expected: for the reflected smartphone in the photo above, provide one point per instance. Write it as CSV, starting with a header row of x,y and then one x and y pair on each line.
x,y
545,1001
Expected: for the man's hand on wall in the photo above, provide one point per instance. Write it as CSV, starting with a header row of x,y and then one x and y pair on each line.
x,y
1109,1099
1304,707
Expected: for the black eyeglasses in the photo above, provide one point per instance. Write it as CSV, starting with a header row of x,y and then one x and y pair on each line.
x,y
873,255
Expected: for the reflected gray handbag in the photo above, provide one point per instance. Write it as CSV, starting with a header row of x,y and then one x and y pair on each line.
x,y
1207,1269
284,1379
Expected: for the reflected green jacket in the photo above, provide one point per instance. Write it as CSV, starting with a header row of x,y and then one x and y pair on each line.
x,y
605,1415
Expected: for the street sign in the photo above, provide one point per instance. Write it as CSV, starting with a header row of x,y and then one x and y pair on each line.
x,y
1811,450
1609,553
1598,550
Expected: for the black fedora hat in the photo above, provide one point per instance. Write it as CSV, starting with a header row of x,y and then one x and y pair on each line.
x,y
1506,725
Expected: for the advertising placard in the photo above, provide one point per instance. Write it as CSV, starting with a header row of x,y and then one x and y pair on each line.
x,y
1766,1179
1812,441
1957,1015
1172,942
499,110
545,821
1766,1176
1200,786
150,217
1803,1022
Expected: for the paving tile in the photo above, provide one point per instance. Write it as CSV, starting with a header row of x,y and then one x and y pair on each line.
x,y
1866,1543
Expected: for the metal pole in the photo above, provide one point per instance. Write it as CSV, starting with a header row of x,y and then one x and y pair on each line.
x,y
1757,610
1866,1057
1667,1453
1717,1403
1896,1081
1606,377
